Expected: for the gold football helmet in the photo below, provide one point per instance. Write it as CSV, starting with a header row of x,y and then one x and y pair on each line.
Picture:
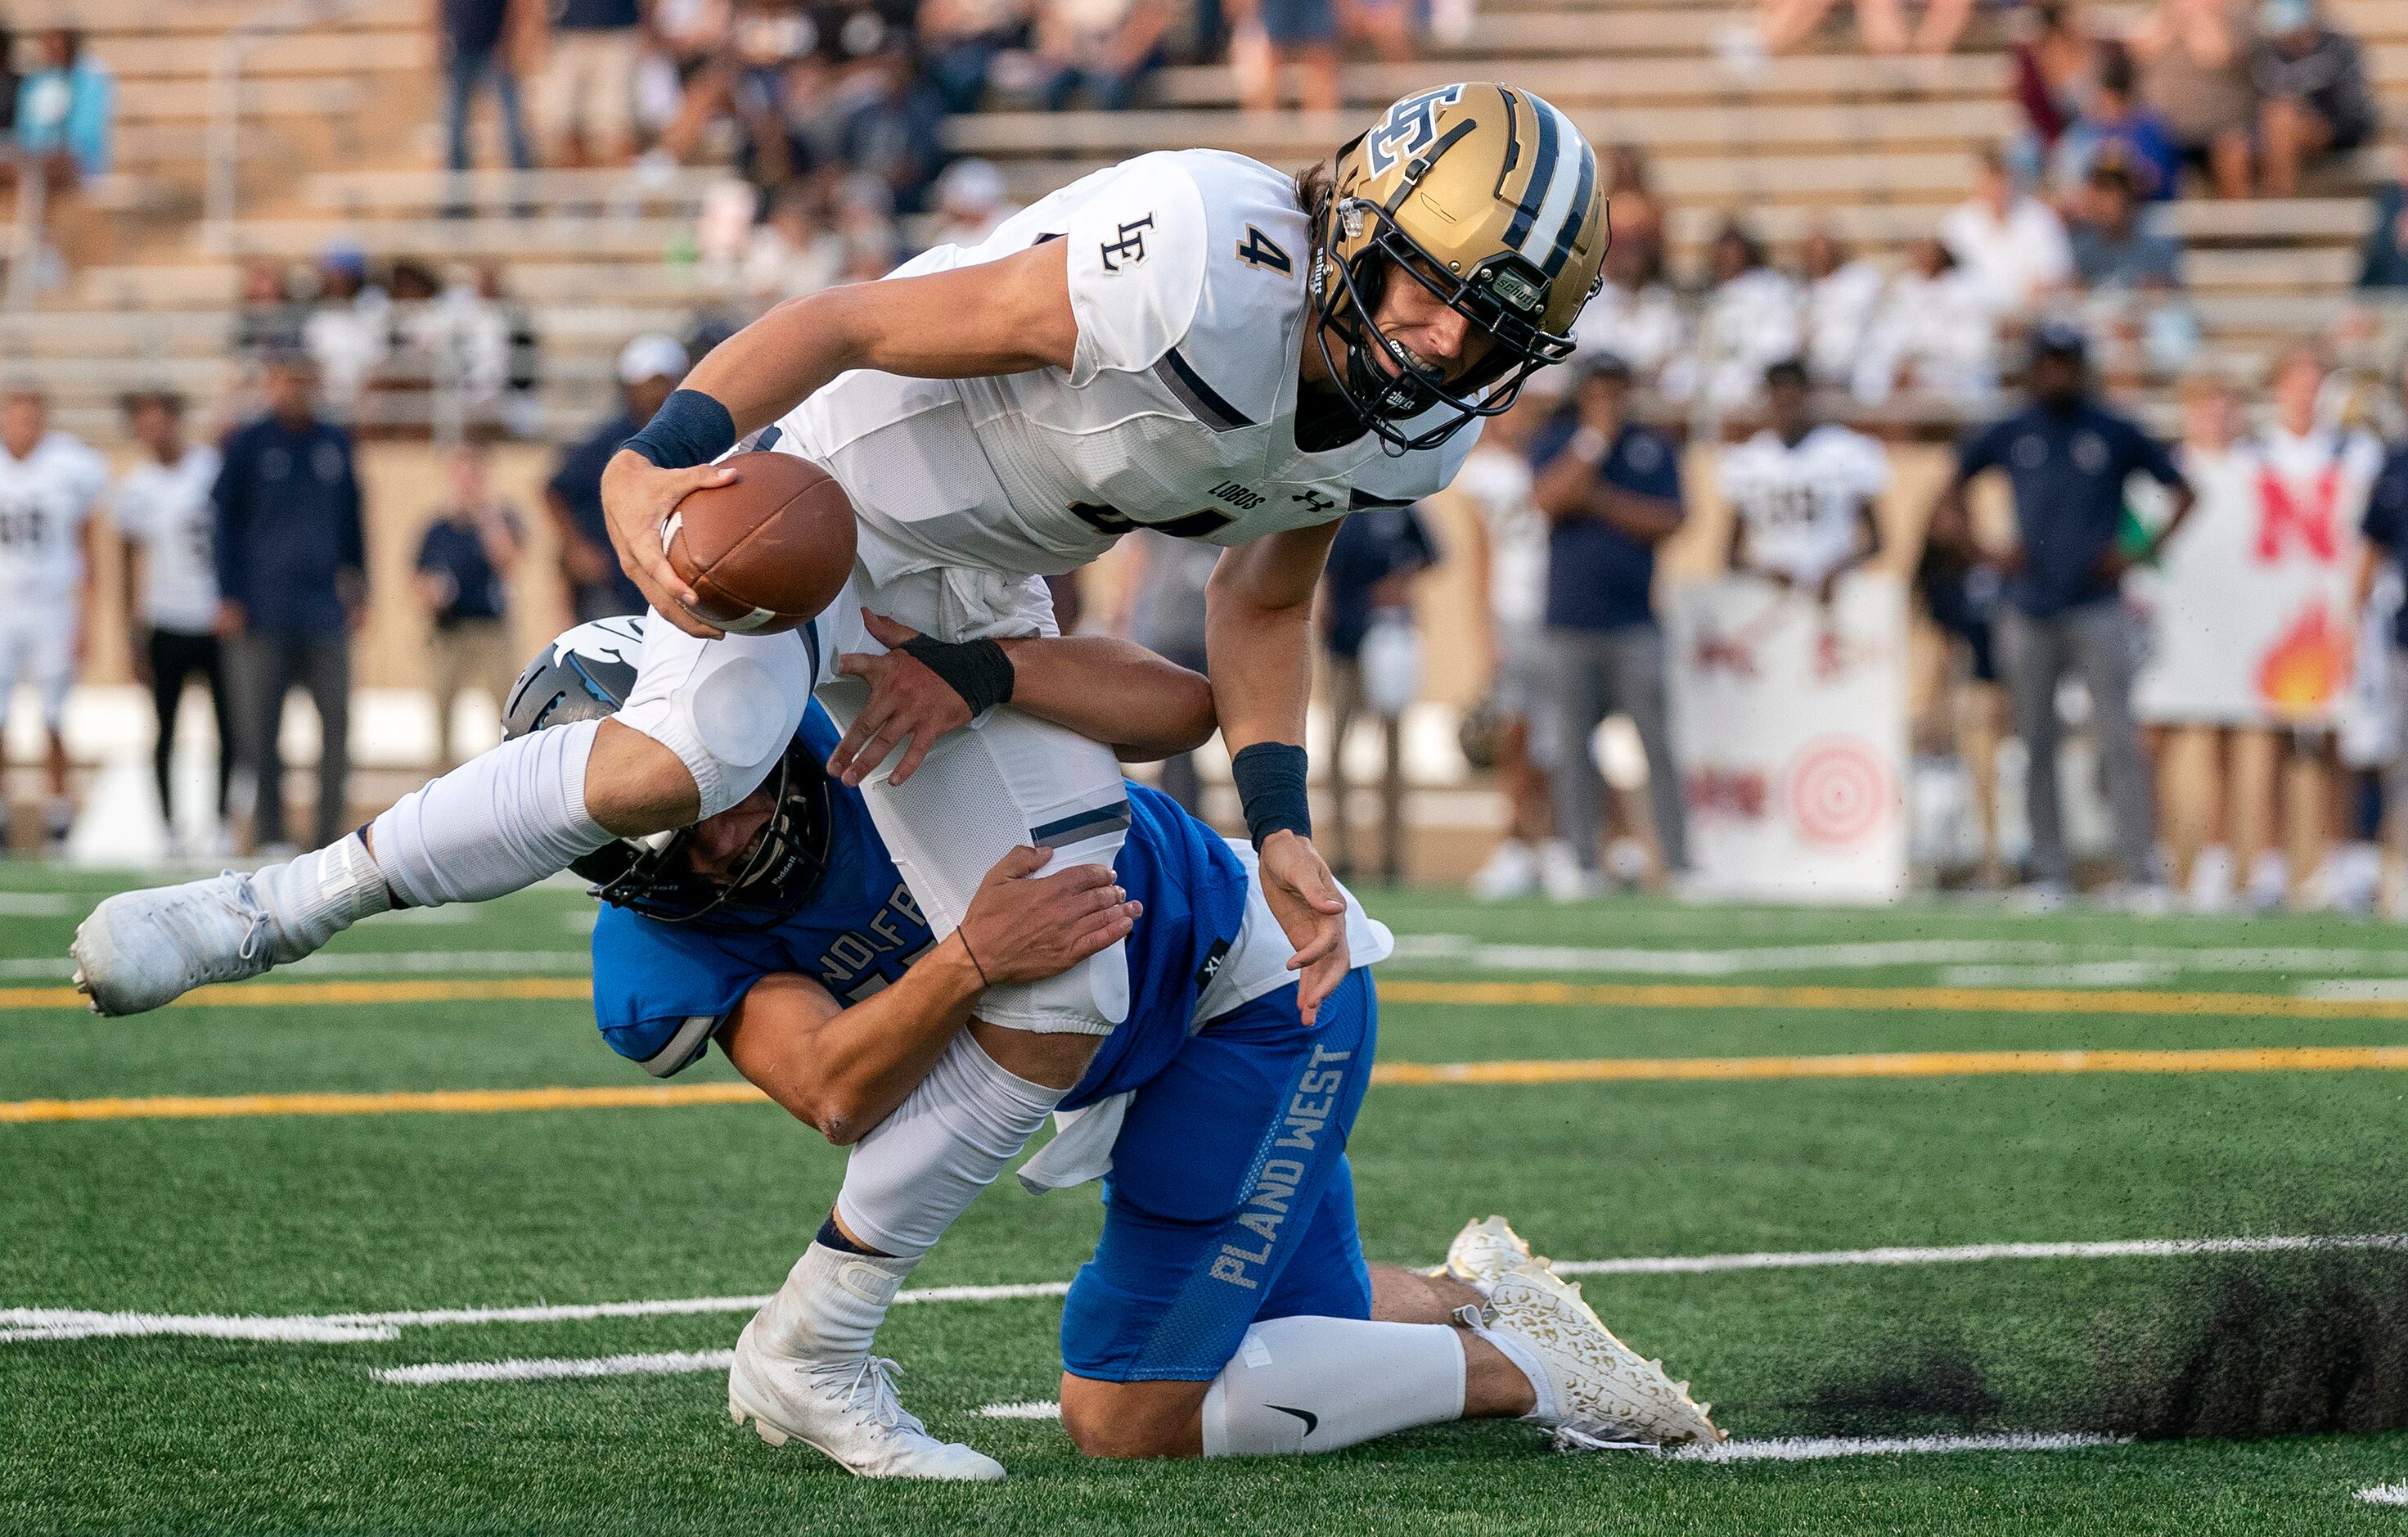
x,y
1488,197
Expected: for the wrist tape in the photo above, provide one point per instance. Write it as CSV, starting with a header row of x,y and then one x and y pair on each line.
x,y
1270,787
978,671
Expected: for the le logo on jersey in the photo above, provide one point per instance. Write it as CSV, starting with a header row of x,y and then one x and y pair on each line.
x,y
1130,248
1410,127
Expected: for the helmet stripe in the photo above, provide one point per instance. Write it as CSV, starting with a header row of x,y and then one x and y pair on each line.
x,y
1563,142
1553,264
1542,170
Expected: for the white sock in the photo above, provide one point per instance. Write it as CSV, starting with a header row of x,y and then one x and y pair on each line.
x,y
502,821
1544,1407
1300,1385
922,1166
831,1304
318,895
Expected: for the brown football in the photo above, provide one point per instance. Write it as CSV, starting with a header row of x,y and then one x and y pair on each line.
x,y
769,550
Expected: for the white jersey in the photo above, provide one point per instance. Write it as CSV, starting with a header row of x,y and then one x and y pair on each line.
x,y
1187,275
167,510
44,499
1797,502
1497,482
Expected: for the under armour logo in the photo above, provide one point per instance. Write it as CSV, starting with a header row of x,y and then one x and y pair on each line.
x,y
1130,248
1410,127
1314,502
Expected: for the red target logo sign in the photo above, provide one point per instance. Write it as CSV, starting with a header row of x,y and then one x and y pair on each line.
x,y
1838,791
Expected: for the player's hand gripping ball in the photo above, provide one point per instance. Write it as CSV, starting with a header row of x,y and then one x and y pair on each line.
x,y
768,552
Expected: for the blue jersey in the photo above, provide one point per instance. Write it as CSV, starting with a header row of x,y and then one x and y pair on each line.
x,y
662,990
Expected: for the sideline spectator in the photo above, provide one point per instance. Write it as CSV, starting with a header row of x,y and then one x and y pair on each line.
x,y
1611,494
1635,316
1802,493
959,40
2011,242
650,368
2312,86
1162,609
1509,558
1842,292
67,111
49,482
167,527
894,132
1103,48
267,317
1935,335
1962,598
2383,259
2194,64
1366,590
1638,211
292,585
587,94
479,40
350,330
464,567
2112,248
1271,34
971,200
10,79
2053,71
2115,127
2066,459
2387,543
1749,322
791,253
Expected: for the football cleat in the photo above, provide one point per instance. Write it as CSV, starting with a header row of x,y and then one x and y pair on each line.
x,y
1604,1394
1485,1251
846,1408
141,949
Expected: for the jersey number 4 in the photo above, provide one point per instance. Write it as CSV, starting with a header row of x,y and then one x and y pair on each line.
x,y
1260,250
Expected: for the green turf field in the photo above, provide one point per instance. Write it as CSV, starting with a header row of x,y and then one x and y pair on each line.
x,y
278,1215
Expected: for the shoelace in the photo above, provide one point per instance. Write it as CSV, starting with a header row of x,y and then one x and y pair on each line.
x,y
245,904
872,1377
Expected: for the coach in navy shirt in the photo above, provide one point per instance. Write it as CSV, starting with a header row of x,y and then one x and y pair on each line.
x,y
1611,492
293,584
2067,460
650,368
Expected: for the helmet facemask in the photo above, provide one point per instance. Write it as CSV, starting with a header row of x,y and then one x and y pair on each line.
x,y
778,873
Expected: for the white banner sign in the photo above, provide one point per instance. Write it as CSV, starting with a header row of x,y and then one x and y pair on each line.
x,y
1789,725
2250,617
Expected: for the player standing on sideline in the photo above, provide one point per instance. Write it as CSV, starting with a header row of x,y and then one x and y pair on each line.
x,y
1191,342
1508,557
1803,494
168,527
49,482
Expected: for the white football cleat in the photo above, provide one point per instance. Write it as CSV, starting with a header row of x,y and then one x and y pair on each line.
x,y
1604,1394
141,949
1511,871
1485,1251
846,1408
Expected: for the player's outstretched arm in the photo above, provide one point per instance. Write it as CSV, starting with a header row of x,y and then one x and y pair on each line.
x,y
1008,316
1258,640
1142,706
841,1071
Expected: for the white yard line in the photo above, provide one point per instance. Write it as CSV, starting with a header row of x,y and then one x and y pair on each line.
x,y
1026,1409
28,1324
661,1363
1973,962
2384,1494
1966,1254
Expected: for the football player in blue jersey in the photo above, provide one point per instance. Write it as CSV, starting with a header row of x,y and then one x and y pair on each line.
x,y
1227,1309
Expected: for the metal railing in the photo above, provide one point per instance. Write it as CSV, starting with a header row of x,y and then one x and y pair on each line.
x,y
222,198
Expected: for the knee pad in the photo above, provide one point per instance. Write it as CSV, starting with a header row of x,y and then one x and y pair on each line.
x,y
727,724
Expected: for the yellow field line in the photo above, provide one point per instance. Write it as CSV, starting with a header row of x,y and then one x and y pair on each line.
x,y
1609,994
1979,1001
1600,1069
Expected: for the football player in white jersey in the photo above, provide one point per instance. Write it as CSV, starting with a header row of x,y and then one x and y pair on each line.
x,y
1190,342
49,482
1803,494
168,524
